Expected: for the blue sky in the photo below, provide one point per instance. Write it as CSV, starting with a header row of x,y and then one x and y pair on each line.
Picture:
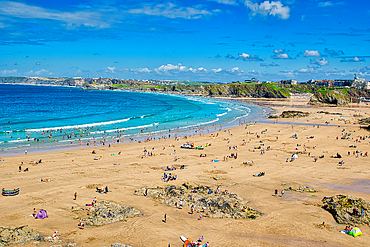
x,y
209,40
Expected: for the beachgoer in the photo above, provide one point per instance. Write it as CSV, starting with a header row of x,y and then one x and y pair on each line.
x,y
81,224
276,192
200,216
25,152
106,189
20,168
282,193
110,214
34,213
165,218
75,196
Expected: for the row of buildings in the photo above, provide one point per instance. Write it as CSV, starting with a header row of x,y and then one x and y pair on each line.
x,y
358,83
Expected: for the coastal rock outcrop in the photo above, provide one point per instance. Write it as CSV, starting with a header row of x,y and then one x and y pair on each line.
x,y
244,90
99,213
348,210
17,235
293,114
329,97
364,121
217,205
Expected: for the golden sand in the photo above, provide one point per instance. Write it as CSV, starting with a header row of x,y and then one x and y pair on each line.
x,y
291,220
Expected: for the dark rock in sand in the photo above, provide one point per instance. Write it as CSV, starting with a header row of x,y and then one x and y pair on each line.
x,y
17,235
293,114
330,113
348,210
220,205
98,215
364,121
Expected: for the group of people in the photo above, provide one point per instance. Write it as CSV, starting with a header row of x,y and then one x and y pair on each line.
x,y
259,174
103,189
282,192
20,169
168,177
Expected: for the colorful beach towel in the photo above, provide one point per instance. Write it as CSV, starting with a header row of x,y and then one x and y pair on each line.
x,y
14,192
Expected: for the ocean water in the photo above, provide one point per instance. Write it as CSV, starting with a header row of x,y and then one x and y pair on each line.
x,y
34,117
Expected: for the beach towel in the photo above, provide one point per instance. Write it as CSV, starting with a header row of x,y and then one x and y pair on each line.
x,y
14,192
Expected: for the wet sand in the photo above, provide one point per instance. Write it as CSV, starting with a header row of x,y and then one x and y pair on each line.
x,y
291,220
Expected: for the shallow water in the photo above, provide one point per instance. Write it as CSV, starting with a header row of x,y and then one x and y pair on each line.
x,y
45,117
358,185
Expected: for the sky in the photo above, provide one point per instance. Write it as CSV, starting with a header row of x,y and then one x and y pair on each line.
x,y
208,40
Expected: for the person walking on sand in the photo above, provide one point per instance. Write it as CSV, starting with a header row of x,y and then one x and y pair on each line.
x,y
165,218
282,193
75,196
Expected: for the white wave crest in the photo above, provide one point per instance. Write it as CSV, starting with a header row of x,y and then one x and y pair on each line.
x,y
80,126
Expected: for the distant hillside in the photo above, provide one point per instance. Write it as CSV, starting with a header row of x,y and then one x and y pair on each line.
x,y
335,96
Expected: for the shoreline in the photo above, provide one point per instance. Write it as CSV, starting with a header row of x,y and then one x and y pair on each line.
x,y
40,148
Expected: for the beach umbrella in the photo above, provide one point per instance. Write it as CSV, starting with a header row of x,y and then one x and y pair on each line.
x,y
355,232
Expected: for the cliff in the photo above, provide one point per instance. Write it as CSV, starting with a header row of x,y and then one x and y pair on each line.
x,y
329,97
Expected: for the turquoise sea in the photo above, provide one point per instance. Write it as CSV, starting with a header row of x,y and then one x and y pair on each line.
x,y
35,118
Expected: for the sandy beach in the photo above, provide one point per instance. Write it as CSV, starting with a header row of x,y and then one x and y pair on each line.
x,y
293,219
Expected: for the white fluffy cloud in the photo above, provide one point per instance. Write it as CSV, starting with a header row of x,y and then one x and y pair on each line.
x,y
281,56
268,8
171,10
39,72
170,68
7,72
248,57
109,69
321,62
311,53
276,51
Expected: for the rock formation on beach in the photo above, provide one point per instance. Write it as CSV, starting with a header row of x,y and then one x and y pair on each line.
x,y
348,210
98,215
291,114
17,235
217,205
